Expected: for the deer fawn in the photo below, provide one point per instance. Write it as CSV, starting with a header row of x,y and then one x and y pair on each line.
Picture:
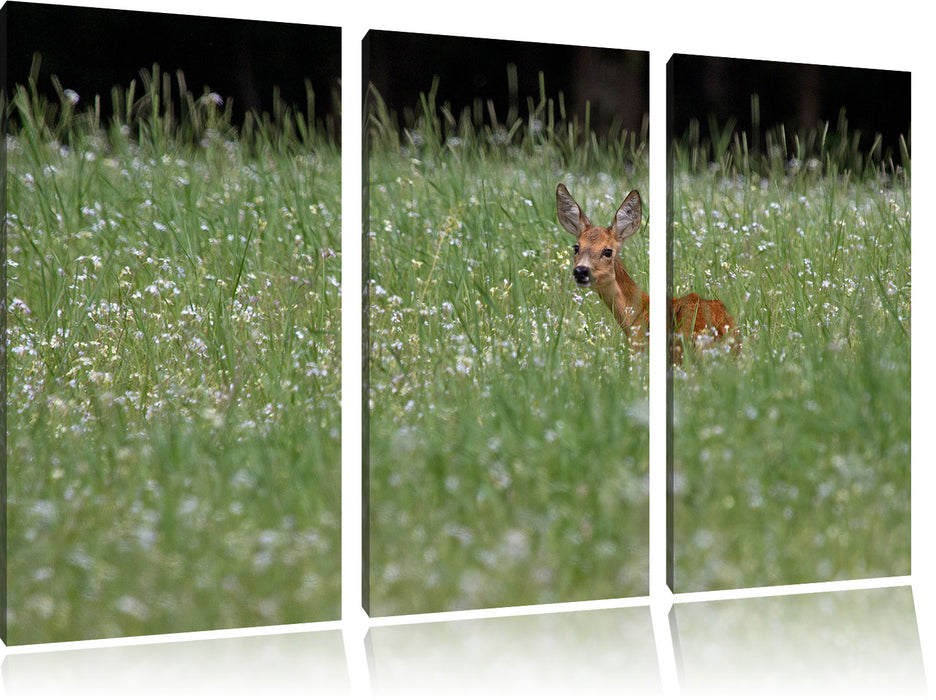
x,y
597,264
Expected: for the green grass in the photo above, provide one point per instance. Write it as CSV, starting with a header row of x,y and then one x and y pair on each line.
x,y
792,462
508,427
173,366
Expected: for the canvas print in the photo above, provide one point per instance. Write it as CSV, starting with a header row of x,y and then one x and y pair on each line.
x,y
506,433
789,270
172,323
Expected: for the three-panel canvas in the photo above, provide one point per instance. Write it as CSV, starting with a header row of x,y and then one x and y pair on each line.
x,y
173,326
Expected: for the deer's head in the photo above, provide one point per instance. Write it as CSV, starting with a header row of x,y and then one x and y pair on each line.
x,y
596,247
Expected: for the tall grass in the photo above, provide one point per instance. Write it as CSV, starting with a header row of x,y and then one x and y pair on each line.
x,y
792,462
173,365
508,432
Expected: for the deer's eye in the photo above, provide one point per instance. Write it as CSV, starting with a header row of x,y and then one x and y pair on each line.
x,y
607,253
575,249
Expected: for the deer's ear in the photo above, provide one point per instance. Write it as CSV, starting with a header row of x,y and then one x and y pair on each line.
x,y
627,219
570,214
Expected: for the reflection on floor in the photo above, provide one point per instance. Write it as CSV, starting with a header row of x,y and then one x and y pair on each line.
x,y
575,654
295,665
852,643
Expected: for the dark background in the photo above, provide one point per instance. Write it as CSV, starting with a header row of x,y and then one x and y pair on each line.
x,y
614,81
795,95
92,50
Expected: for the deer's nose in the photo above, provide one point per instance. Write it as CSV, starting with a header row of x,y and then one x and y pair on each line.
x,y
582,274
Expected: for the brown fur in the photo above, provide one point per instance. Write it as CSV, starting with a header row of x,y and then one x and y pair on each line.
x,y
597,264
691,317
629,303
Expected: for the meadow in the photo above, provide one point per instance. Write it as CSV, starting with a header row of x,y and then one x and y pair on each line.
x,y
791,462
173,364
507,430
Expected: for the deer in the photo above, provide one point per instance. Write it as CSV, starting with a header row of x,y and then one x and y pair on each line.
x,y
597,265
